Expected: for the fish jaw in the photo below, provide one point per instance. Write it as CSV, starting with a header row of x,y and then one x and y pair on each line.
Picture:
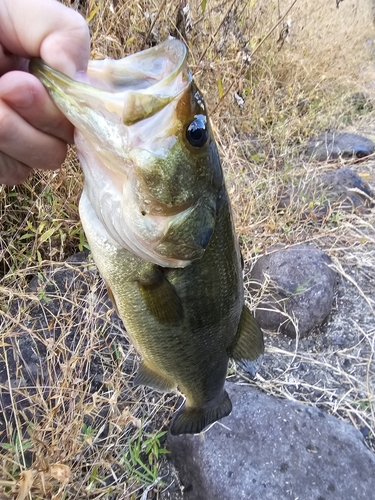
x,y
171,241
142,177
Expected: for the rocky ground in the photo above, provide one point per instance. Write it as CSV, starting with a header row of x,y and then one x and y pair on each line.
x,y
330,367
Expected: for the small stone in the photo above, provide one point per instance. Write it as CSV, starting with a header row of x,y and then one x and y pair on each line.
x,y
342,189
270,448
332,145
344,183
365,431
361,102
296,283
340,341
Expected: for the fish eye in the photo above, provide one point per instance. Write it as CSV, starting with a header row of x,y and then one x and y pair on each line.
x,y
197,131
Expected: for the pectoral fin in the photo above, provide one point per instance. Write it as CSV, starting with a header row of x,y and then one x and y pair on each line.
x,y
112,297
162,300
248,344
148,376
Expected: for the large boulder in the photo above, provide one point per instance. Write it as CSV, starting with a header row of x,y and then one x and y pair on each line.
x,y
270,448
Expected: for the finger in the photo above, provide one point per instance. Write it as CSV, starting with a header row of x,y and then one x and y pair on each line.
x,y
12,172
26,95
9,61
21,141
47,29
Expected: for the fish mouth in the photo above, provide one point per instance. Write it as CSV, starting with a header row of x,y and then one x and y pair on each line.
x,y
134,88
123,108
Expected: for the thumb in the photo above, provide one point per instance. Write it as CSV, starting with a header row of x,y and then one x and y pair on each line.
x,y
46,29
68,50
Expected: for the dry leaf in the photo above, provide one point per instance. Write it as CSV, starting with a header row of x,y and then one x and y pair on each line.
x,y
25,484
126,417
61,472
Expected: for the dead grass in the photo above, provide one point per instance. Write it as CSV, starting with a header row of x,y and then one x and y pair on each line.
x,y
74,427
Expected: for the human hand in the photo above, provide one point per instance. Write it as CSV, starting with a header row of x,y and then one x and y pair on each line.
x,y
33,132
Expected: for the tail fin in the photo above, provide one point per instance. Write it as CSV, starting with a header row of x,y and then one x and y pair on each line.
x,y
194,420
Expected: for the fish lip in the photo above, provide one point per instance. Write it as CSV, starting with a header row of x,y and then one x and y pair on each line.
x,y
140,103
50,78
116,110
164,88
120,69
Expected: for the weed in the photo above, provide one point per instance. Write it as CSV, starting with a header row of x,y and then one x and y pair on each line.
x,y
142,457
88,433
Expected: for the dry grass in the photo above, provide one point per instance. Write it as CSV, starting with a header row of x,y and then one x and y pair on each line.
x,y
74,427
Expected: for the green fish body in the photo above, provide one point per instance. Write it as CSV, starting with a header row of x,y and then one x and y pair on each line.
x,y
176,281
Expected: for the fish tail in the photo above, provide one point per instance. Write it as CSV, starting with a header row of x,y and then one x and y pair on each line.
x,y
194,420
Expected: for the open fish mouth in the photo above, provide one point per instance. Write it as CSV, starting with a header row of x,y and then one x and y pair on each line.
x,y
153,191
133,88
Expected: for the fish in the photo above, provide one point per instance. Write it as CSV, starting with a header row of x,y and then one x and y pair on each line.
x,y
158,220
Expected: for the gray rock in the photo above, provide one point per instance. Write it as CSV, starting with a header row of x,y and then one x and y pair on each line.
x,y
342,180
342,189
274,449
295,283
361,102
332,145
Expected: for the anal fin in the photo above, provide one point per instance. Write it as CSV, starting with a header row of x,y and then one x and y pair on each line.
x,y
248,344
162,300
194,420
147,376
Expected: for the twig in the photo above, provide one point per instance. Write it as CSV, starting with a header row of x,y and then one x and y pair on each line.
x,y
162,5
149,488
273,28
217,30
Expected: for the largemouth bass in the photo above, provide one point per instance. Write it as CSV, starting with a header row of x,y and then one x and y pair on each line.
x,y
157,217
